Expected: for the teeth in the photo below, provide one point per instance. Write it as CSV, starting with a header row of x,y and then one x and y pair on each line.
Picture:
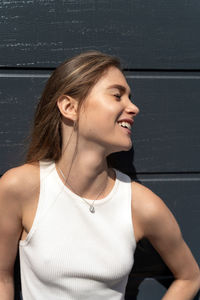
x,y
125,124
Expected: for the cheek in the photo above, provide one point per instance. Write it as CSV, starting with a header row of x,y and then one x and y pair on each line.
x,y
95,124
100,114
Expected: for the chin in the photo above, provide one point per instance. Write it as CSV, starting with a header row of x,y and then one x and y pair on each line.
x,y
120,148
127,148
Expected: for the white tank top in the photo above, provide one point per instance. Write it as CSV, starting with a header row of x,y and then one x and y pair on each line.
x,y
73,254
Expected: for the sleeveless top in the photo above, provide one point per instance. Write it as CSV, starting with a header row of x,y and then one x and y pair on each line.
x,y
71,253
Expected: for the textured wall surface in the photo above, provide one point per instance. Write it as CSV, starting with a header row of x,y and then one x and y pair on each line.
x,y
146,34
159,45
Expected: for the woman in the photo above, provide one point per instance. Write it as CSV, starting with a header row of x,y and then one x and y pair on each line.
x,y
76,219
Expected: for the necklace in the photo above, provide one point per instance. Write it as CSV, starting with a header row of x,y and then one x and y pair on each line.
x,y
91,206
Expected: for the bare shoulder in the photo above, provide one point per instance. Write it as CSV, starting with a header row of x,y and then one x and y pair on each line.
x,y
150,211
145,201
16,193
18,182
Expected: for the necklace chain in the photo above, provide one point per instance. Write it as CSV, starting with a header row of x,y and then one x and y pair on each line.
x,y
91,206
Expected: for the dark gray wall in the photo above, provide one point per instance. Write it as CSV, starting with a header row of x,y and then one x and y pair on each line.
x,y
159,45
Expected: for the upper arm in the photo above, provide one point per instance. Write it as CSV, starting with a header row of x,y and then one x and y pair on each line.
x,y
157,223
10,222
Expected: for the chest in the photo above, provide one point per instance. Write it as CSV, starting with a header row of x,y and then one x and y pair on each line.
x,y
70,244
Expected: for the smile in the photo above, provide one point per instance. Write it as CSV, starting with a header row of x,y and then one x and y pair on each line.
x,y
125,125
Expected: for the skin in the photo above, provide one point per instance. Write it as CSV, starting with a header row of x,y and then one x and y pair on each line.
x,y
99,135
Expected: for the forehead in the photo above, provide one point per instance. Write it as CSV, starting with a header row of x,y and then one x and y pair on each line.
x,y
112,77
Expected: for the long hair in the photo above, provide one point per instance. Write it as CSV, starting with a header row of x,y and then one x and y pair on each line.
x,y
75,77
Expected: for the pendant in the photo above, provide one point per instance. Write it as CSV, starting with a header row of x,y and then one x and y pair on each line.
x,y
92,209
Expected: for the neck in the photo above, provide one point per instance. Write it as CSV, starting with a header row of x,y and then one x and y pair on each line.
x,y
86,171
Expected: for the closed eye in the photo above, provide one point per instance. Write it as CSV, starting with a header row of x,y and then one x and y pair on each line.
x,y
118,96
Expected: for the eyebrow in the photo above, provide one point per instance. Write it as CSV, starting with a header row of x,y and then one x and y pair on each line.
x,y
120,87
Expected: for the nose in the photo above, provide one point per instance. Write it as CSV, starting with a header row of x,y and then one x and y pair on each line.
x,y
132,109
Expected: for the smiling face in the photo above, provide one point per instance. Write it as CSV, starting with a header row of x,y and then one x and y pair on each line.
x,y
108,103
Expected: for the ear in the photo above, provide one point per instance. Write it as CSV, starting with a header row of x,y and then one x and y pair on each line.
x,y
68,107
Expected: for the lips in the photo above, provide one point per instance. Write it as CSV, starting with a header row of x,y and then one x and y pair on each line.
x,y
130,121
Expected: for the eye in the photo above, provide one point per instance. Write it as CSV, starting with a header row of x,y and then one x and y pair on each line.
x,y
118,96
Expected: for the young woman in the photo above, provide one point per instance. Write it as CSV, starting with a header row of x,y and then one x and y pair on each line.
x,y
76,219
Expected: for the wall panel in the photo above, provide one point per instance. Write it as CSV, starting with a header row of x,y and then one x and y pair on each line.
x,y
145,34
166,133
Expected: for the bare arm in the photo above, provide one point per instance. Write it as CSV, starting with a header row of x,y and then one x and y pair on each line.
x,y
10,231
156,222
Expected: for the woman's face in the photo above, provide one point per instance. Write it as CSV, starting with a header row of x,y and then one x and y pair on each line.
x,y
108,103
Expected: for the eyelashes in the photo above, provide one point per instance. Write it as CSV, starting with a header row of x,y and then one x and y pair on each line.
x,y
118,96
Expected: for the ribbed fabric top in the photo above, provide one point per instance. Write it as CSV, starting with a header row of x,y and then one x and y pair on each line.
x,y
73,254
